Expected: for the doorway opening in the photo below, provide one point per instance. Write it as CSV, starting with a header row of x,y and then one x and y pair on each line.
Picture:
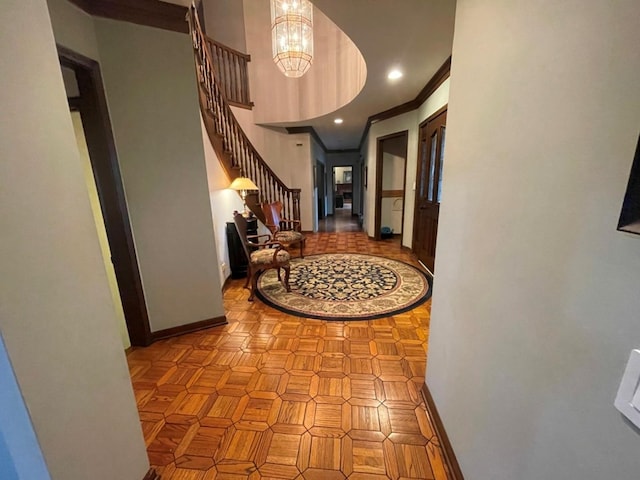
x,y
391,173
88,110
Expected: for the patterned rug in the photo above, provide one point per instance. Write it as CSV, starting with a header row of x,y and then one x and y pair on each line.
x,y
346,286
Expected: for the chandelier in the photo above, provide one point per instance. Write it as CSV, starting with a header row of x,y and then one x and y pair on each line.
x,y
292,36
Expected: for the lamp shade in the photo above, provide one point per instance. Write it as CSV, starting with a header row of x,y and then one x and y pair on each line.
x,y
243,183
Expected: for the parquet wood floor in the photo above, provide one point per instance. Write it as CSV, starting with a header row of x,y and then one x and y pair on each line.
x,y
273,396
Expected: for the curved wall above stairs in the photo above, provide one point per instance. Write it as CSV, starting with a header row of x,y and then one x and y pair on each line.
x,y
336,77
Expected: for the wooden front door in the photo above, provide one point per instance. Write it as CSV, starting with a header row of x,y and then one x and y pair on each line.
x,y
429,187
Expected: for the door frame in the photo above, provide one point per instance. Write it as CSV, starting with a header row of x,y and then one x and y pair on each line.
x,y
92,105
422,124
378,192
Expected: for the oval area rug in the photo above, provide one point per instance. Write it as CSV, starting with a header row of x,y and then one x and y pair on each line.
x,y
346,286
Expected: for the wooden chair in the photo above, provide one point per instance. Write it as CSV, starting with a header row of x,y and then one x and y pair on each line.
x,y
284,230
261,256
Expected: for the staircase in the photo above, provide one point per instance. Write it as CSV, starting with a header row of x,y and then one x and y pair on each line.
x,y
234,150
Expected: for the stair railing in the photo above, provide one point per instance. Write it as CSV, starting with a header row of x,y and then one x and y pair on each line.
x,y
232,146
230,67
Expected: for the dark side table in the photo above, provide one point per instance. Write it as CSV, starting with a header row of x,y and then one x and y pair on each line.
x,y
237,259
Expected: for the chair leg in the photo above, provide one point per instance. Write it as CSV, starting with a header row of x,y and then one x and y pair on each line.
x,y
302,248
287,270
249,274
254,284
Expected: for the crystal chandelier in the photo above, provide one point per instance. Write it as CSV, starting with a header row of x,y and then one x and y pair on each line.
x,y
292,36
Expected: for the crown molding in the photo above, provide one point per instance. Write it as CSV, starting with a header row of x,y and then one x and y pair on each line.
x,y
432,85
151,13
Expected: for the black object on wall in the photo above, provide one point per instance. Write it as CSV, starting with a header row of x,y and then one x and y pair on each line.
x,y
630,214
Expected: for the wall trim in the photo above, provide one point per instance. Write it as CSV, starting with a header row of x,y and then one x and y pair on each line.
x,y
151,13
151,475
189,328
432,85
447,449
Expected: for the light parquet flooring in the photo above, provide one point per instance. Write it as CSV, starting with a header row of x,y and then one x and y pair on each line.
x,y
273,396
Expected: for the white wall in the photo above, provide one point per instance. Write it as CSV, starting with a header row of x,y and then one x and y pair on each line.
x,y
289,156
223,203
408,121
56,314
393,167
151,88
535,309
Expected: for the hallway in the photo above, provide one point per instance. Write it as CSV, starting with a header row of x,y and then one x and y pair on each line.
x,y
275,396
341,221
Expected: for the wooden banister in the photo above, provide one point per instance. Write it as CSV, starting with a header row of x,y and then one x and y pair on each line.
x,y
235,151
230,67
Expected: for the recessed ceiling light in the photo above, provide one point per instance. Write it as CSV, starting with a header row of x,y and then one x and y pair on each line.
x,y
394,74
338,121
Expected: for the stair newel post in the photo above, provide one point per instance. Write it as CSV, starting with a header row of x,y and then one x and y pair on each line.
x,y
286,203
296,204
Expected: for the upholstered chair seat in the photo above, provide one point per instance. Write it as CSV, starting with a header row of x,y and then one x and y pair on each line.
x,y
265,256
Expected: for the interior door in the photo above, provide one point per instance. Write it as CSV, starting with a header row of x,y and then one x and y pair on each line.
x,y
429,188
322,194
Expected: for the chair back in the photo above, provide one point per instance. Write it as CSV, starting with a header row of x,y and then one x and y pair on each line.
x,y
272,215
241,227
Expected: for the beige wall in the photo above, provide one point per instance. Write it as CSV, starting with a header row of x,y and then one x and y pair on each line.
x,y
408,121
223,21
100,228
536,307
73,28
56,312
151,89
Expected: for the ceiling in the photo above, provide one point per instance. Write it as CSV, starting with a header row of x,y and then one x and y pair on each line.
x,y
415,36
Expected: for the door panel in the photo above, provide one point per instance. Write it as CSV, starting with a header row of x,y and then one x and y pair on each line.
x,y
429,188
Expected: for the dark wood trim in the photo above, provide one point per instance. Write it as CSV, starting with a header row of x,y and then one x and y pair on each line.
x,y
246,106
189,327
342,150
629,220
151,475
394,111
74,103
392,193
94,112
151,13
432,85
430,118
378,190
447,449
365,133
